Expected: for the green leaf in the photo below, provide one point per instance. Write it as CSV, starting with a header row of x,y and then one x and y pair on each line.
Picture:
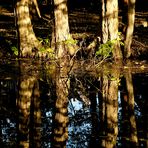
x,y
15,50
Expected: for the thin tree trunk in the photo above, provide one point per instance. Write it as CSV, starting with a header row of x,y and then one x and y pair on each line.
x,y
130,28
104,34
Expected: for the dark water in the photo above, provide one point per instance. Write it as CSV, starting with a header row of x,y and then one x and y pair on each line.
x,y
28,102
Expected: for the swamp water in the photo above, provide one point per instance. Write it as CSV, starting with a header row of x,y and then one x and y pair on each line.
x,y
31,116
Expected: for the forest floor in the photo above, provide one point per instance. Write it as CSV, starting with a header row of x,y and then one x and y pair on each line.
x,y
83,24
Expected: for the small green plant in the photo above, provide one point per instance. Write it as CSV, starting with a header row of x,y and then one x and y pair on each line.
x,y
49,51
105,50
71,41
45,41
15,50
120,39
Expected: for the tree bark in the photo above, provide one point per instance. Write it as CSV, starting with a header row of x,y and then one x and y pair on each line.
x,y
110,26
130,28
61,27
27,39
104,33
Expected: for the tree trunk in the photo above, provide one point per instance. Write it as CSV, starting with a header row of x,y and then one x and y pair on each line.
x,y
104,32
61,27
130,28
110,25
61,32
27,39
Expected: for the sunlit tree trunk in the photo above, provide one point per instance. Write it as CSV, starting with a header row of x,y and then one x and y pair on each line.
x,y
110,25
104,33
26,36
131,113
61,33
130,28
61,27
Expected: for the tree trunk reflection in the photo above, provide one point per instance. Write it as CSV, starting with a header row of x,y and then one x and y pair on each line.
x,y
102,108
29,113
94,117
125,121
131,102
109,110
61,106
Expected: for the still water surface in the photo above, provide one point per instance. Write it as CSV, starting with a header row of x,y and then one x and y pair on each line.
x,y
28,102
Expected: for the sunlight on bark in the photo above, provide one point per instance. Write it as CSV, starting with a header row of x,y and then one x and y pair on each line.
x,y
61,27
110,26
27,38
130,28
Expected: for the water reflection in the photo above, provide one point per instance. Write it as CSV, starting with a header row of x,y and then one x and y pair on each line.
x,y
45,105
